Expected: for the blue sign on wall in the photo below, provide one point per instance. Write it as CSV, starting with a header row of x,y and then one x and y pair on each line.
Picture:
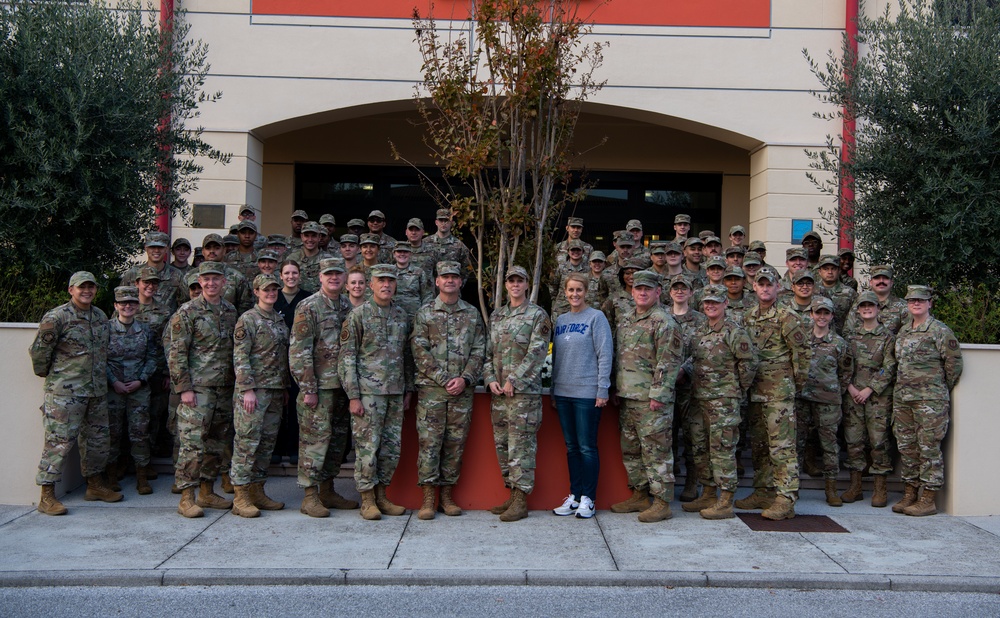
x,y
800,227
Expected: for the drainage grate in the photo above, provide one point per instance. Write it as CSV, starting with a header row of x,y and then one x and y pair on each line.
x,y
799,523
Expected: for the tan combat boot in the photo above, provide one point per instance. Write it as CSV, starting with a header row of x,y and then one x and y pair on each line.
x,y
722,509
429,505
831,493
781,508
151,473
111,478
97,489
187,506
880,496
924,506
761,498
227,483
518,507
261,500
500,508
142,485
658,511
48,504
208,499
909,497
385,505
242,504
332,500
707,499
637,502
311,504
690,491
174,489
854,491
369,510
448,504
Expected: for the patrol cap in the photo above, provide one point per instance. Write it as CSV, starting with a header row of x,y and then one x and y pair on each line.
x,y
268,254
327,218
443,213
197,252
332,264
246,209
191,279
230,239
156,239
635,263
574,244
750,258
300,214
324,231
716,260
382,270
829,260
234,228
734,271
403,245
705,234
261,281
757,245
625,240
736,250
415,222
633,224
694,240
656,248
681,280
369,239
795,252
356,223
246,224
349,238
450,267
737,229
81,277
211,239
682,219
812,234
845,251
867,297
277,239
577,221
918,292
768,274
211,268
713,239
312,226
803,274
148,273
882,270
645,279
126,293
598,256
181,242
715,292
376,214
517,271
672,246
821,302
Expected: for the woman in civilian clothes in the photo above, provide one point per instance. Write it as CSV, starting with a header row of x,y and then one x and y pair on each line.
x,y
289,298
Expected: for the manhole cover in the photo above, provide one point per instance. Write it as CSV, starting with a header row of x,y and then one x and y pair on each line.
x,y
799,523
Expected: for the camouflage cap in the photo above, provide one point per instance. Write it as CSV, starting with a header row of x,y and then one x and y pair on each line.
x,y
805,273
766,273
443,213
750,258
261,281
324,231
845,251
81,277
704,234
829,260
645,279
448,267
403,245
277,239
148,273
211,239
126,293
315,228
577,221
657,248
715,292
517,271
681,280
349,239
333,264
867,297
918,292
882,270
576,243
234,228
821,302
327,218
757,245
156,239
356,223
682,219
694,240
736,250
672,246
716,261
268,254
246,224
197,252
734,271
230,239
633,224
300,214
713,239
382,270
211,268
624,239
598,256
812,234
635,263
369,239
181,242
246,208
795,252
415,222
737,229
191,279
376,213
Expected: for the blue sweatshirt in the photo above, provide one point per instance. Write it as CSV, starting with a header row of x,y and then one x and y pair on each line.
x,y
581,355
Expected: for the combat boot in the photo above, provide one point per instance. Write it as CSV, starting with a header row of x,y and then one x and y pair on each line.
x,y
242,504
809,461
97,489
142,486
369,510
151,473
111,478
448,504
518,507
385,505
48,504
208,499
781,508
707,499
690,491
500,508
831,493
429,505
659,511
760,499
880,496
723,508
227,483
174,489
924,506
261,500
187,507
332,500
311,504
854,492
909,497
637,502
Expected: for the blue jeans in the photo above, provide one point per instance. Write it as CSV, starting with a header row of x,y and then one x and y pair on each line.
x,y
580,419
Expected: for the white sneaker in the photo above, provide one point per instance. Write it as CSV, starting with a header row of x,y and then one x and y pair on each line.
x,y
568,506
586,508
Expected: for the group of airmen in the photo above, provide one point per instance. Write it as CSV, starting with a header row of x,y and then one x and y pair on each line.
x,y
711,344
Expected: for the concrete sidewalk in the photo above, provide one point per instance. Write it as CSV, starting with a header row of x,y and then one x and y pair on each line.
x,y
143,542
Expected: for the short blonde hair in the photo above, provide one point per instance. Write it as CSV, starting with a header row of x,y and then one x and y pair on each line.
x,y
581,277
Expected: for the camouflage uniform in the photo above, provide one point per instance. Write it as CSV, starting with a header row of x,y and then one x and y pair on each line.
x,y
314,353
201,360
155,316
451,248
819,404
617,306
649,356
424,257
783,350
448,341
929,365
414,288
682,431
698,278
802,312
132,355
562,252
843,299
372,342
308,268
237,291
558,283
518,345
260,362
246,263
875,367
723,366
173,292
736,309
70,352
892,312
